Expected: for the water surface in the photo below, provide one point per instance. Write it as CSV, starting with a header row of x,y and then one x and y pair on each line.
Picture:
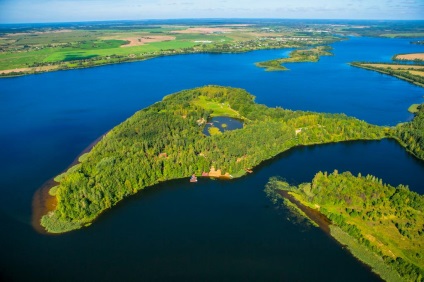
x,y
211,229
223,124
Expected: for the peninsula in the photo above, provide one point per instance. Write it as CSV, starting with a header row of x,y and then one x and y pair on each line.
x,y
408,67
383,226
166,141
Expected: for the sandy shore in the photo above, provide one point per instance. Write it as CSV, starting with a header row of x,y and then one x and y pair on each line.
x,y
43,202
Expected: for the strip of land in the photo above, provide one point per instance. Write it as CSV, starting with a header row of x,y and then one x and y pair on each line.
x,y
382,225
409,72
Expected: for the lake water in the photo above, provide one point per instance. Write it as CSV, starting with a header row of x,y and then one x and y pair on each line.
x,y
223,124
211,229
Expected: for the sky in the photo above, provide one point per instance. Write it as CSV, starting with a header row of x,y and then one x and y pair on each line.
x,y
38,11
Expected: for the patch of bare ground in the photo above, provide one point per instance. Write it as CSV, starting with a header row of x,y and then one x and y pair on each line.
x,y
411,57
35,69
137,41
417,73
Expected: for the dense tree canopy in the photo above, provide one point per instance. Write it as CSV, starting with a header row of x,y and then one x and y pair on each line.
x,y
165,141
411,134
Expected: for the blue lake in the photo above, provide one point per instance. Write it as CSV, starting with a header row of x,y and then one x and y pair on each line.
x,y
211,229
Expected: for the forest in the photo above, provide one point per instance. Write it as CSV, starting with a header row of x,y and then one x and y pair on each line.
x,y
298,56
387,221
411,134
165,141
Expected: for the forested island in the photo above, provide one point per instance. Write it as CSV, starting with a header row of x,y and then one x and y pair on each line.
x,y
165,141
383,226
298,56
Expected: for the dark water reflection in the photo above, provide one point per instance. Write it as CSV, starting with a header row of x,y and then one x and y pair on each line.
x,y
211,230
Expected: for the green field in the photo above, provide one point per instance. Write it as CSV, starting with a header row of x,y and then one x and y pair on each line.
x,y
49,49
34,50
217,108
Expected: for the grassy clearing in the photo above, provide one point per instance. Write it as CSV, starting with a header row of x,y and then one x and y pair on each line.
x,y
218,109
413,108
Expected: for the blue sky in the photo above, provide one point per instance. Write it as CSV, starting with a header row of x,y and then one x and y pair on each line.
x,y
22,11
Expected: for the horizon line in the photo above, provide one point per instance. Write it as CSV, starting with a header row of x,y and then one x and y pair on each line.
x,y
200,19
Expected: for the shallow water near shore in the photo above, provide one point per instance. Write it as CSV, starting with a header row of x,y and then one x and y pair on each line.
x,y
210,230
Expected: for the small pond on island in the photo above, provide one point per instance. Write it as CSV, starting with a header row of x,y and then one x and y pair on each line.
x,y
222,124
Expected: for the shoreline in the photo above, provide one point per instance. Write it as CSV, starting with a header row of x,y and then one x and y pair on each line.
x,y
356,65
43,202
346,241
56,224
10,73
44,189
13,74
321,220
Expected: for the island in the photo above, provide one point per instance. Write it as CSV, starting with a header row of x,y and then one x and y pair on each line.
x,y
166,141
381,225
298,56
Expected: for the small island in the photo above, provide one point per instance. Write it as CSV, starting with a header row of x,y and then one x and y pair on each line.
x,y
383,226
165,141
298,56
